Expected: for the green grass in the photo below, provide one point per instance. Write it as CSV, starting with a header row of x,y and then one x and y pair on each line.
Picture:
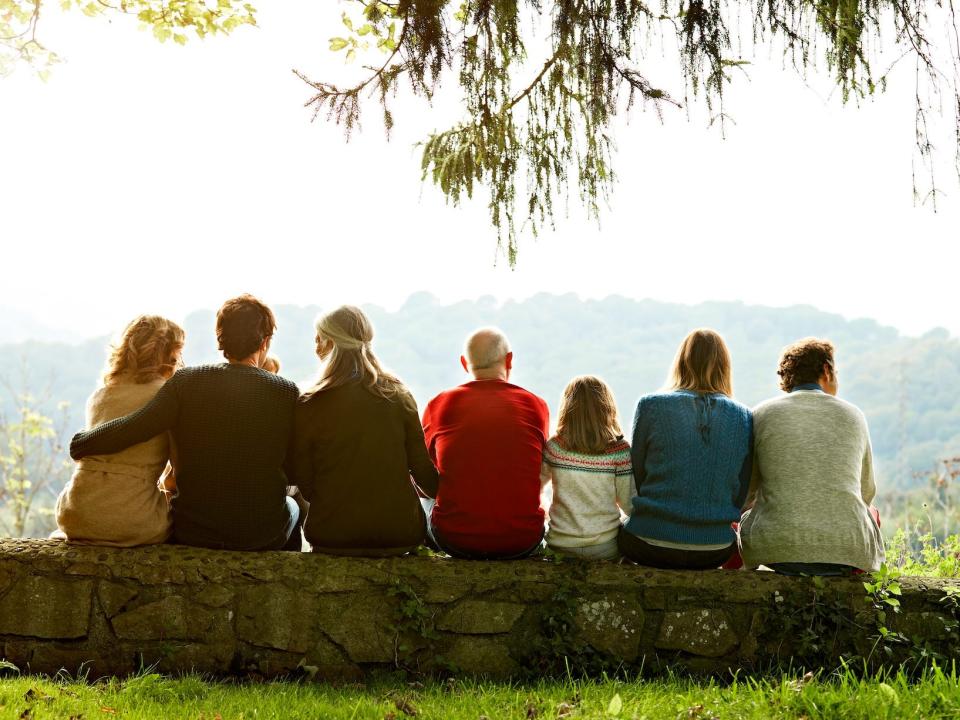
x,y
936,695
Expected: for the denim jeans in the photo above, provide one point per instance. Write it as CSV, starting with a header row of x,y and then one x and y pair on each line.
x,y
290,539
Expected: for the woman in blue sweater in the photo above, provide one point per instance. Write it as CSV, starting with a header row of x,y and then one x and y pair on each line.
x,y
691,452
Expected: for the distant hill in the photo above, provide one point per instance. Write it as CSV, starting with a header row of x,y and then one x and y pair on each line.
x,y
18,326
909,388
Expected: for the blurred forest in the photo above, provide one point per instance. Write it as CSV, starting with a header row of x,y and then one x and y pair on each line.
x,y
909,388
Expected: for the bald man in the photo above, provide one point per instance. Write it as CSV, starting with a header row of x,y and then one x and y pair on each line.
x,y
486,438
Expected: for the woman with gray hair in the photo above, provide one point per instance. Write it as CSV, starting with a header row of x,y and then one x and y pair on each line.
x,y
357,442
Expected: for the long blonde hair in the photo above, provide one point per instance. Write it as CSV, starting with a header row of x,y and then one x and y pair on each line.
x,y
146,350
587,421
350,333
702,364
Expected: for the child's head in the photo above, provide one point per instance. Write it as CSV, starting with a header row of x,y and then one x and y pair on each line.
x,y
588,416
271,364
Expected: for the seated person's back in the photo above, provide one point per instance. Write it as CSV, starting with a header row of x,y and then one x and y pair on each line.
x,y
813,474
691,455
114,499
232,433
486,438
358,442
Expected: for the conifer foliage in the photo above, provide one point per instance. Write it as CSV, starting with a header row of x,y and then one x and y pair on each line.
x,y
538,123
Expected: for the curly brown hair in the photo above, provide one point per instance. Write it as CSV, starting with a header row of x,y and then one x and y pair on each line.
x,y
243,323
803,361
146,350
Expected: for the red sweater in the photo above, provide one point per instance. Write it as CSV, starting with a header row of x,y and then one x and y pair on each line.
x,y
486,438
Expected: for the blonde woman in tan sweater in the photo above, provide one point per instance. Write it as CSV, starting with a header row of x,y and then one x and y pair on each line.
x,y
115,499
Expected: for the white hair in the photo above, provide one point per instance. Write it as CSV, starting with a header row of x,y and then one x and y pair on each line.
x,y
485,348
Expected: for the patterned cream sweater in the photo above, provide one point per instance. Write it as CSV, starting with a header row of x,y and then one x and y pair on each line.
x,y
812,483
588,493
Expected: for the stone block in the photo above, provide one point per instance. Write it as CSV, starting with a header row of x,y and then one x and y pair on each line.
x,y
750,644
527,592
706,633
480,617
46,607
655,598
18,652
921,626
612,624
213,658
213,595
76,660
90,569
114,597
363,625
274,616
7,576
483,656
170,618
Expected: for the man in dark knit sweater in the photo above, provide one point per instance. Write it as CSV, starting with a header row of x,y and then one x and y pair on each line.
x,y
486,438
231,425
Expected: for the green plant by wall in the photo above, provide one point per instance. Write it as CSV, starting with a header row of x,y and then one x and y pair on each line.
x,y
555,649
414,631
814,625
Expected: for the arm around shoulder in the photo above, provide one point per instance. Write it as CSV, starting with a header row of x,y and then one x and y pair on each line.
x,y
156,417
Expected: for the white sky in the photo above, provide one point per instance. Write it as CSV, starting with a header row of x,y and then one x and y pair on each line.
x,y
148,177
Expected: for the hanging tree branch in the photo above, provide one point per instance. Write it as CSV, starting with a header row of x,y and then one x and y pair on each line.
x,y
556,129
529,147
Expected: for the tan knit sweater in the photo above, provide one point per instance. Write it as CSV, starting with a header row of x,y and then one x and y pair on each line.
x,y
114,499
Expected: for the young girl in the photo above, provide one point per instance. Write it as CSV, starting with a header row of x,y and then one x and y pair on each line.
x,y
114,499
588,463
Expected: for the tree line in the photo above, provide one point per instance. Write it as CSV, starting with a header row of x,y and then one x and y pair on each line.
x,y
909,388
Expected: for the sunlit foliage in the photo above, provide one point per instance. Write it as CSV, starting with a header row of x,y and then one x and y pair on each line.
x,y
542,80
21,42
32,463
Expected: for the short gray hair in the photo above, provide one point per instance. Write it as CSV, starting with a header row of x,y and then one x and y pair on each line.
x,y
485,348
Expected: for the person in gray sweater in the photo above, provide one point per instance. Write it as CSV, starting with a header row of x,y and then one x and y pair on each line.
x,y
809,501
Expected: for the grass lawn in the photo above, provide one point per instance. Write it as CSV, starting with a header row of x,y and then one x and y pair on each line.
x,y
937,695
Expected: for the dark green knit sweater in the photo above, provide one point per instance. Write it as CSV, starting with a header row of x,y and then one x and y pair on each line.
x,y
232,425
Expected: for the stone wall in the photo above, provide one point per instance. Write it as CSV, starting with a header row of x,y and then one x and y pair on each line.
x,y
113,611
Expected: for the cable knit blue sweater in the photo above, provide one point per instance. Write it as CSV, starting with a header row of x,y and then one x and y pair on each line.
x,y
692,461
